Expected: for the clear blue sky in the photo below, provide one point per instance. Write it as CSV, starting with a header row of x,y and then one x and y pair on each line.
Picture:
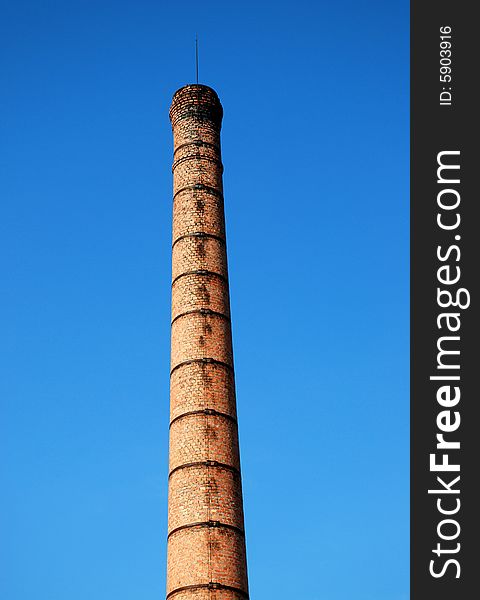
x,y
315,147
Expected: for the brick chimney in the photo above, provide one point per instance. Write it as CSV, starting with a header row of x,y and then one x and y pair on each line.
x,y
206,539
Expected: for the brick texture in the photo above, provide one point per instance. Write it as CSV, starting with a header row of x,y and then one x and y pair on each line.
x,y
206,539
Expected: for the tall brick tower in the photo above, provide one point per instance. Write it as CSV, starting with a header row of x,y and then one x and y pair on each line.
x,y
206,539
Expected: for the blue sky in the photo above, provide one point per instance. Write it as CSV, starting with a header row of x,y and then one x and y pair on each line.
x,y
315,147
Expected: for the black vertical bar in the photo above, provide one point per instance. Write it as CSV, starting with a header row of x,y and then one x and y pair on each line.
x,y
444,547
196,57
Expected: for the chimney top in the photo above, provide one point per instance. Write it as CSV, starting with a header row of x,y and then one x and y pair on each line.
x,y
196,100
